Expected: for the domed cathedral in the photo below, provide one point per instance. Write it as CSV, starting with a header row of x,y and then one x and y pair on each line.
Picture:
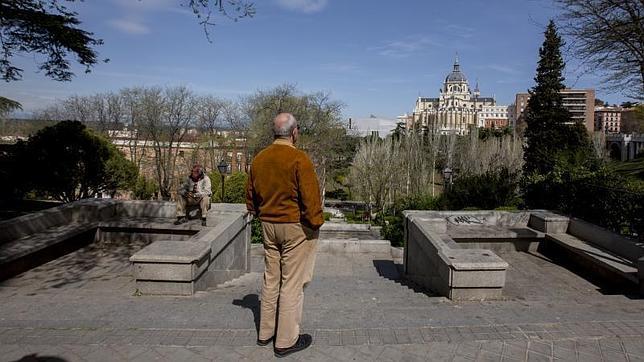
x,y
456,108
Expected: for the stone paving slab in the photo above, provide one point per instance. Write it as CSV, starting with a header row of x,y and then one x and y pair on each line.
x,y
581,349
82,307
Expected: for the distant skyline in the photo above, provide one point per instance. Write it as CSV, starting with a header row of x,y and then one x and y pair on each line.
x,y
376,57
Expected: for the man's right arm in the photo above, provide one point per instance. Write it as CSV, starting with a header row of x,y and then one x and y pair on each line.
x,y
309,192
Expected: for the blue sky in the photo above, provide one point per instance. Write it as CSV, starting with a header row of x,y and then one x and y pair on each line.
x,y
376,56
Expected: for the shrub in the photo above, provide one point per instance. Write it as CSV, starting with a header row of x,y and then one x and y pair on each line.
x,y
487,191
256,231
69,162
145,189
600,197
235,187
338,194
393,225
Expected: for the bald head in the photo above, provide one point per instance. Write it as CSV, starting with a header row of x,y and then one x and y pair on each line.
x,y
283,125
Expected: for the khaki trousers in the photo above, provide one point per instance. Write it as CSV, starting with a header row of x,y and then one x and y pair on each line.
x,y
289,255
182,202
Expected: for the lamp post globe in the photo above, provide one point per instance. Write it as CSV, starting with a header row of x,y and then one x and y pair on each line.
x,y
223,168
447,176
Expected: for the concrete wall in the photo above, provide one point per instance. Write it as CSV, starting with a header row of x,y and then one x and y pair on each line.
x,y
608,240
216,254
435,261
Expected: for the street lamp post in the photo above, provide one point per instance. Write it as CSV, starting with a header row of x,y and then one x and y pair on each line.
x,y
223,168
447,176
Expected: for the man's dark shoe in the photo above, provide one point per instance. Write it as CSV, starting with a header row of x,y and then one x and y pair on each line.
x,y
181,220
303,342
203,222
264,342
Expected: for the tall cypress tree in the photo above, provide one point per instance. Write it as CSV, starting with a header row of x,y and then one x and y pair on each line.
x,y
550,132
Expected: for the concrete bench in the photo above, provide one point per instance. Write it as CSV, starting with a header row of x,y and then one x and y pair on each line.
x,y
171,267
210,257
608,264
29,251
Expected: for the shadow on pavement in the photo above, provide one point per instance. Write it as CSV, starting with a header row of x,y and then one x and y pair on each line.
x,y
250,301
392,271
35,358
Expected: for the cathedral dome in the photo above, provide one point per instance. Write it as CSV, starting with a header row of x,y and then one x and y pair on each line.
x,y
456,75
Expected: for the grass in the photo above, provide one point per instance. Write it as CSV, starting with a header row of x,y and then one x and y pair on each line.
x,y
633,168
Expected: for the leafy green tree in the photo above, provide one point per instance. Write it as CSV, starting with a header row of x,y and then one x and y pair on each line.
x,y
144,189
69,162
486,191
550,129
235,188
7,106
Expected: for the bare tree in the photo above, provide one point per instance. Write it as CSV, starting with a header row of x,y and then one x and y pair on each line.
x,y
376,170
608,36
168,117
211,122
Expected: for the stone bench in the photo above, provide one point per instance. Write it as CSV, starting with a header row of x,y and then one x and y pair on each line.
x,y
603,261
181,259
29,251
171,267
602,251
214,255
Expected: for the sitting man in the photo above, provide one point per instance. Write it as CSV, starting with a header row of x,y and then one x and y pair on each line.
x,y
196,190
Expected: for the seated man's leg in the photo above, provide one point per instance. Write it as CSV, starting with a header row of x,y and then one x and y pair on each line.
x,y
181,209
204,203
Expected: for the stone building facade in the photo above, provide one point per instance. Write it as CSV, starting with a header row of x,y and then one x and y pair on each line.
x,y
608,119
579,102
456,108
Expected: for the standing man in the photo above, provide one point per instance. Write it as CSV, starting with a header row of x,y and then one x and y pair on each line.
x,y
196,190
283,192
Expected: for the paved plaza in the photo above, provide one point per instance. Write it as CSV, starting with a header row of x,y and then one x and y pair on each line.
x,y
84,307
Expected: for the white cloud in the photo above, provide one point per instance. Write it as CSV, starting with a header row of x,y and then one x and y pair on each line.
x,y
129,26
503,69
305,6
335,67
405,47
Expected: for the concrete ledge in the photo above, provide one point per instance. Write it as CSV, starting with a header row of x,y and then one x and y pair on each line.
x,y
603,238
602,262
434,258
548,222
340,246
194,255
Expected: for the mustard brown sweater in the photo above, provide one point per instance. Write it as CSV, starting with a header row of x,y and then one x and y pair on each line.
x,y
283,188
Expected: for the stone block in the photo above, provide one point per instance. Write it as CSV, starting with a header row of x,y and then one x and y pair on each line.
x,y
475,293
548,222
343,246
170,271
397,252
166,288
478,279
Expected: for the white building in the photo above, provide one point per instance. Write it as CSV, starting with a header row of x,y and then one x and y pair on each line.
x,y
456,108
371,126
493,117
